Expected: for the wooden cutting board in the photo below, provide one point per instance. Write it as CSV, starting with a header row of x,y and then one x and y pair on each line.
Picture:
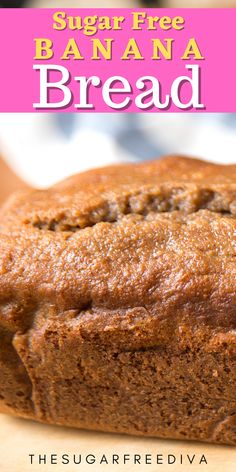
x,y
19,438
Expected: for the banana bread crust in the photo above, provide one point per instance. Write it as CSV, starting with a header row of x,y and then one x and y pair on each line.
x,y
118,301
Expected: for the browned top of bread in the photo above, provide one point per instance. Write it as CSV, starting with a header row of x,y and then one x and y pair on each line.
x,y
108,194
159,236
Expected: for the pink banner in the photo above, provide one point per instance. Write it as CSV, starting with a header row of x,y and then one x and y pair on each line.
x,y
117,60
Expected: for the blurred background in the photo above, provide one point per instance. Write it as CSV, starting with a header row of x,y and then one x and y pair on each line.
x,y
117,3
40,149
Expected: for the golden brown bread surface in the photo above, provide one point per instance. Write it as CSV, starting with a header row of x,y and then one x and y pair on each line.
x,y
118,301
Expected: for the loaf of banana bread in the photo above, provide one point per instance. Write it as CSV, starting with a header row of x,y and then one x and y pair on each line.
x,y
118,301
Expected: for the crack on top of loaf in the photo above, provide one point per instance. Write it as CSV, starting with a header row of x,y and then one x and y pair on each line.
x,y
113,208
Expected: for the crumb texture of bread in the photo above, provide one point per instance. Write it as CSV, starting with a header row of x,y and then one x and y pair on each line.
x,y
118,301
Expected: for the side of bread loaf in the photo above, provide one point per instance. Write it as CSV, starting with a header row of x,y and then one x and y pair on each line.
x,y
118,301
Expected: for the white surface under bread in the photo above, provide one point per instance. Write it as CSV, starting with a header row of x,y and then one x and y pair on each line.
x,y
19,438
